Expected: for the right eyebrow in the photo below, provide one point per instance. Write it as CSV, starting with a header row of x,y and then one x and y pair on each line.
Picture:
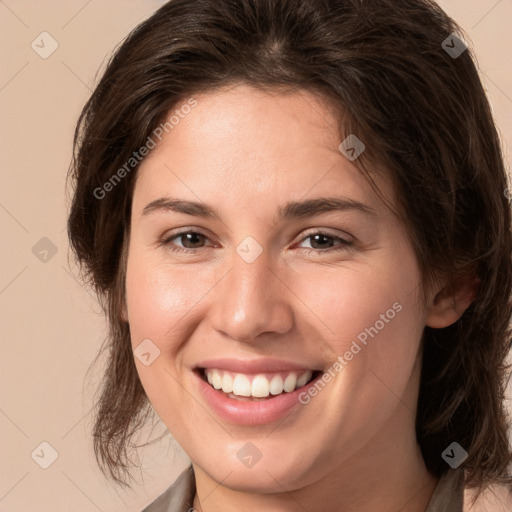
x,y
181,206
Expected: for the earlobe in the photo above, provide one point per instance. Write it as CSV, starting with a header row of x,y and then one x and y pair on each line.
x,y
450,302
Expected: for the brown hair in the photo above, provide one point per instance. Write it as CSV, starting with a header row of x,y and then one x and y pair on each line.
x,y
422,114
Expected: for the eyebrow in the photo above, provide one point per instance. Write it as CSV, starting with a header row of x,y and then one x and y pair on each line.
x,y
291,210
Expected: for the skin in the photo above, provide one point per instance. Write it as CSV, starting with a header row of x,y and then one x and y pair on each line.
x,y
246,152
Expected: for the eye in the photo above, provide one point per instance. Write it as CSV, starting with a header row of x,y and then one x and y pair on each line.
x,y
323,242
190,240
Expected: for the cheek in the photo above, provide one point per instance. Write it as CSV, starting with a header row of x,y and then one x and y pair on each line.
x,y
369,314
158,297
159,301
371,320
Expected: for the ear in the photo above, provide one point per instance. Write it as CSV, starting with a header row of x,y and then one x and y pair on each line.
x,y
450,301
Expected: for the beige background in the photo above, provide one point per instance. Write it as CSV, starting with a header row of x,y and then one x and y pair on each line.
x,y
50,325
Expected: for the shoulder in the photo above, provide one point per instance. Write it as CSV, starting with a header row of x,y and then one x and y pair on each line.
x,y
496,498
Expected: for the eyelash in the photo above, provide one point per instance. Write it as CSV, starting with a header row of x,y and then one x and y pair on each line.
x,y
344,244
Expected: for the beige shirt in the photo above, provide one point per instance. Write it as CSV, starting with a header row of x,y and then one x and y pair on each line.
x,y
448,495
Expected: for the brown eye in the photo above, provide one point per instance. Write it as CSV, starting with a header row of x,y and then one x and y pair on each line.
x,y
321,241
188,241
324,242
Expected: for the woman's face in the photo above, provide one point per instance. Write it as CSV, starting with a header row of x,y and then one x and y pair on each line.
x,y
273,285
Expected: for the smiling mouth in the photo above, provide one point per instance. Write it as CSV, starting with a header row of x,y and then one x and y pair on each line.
x,y
255,387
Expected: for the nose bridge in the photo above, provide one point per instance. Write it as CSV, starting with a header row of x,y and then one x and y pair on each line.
x,y
251,299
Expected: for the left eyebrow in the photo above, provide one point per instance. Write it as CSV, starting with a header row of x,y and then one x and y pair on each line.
x,y
291,210
317,206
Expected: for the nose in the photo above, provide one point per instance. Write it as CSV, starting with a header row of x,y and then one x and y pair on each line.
x,y
252,300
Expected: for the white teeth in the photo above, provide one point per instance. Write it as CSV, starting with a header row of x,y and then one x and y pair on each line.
x,y
227,383
259,387
241,385
289,383
304,378
276,385
217,381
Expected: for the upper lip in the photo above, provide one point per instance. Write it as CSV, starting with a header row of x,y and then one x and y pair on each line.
x,y
260,365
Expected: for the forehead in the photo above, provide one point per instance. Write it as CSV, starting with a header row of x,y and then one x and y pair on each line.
x,y
255,122
239,139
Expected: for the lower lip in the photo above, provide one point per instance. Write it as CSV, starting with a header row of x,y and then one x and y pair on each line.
x,y
250,413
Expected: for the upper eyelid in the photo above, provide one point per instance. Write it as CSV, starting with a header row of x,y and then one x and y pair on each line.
x,y
184,231
315,231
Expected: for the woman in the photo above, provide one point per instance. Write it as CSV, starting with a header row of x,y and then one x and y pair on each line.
x,y
295,214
